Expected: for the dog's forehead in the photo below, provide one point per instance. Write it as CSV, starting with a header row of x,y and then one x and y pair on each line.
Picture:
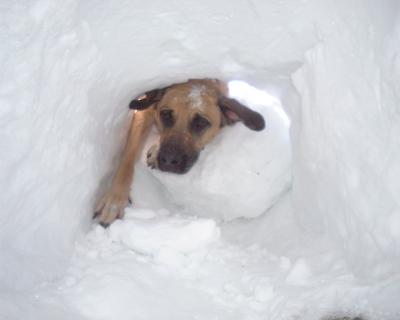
x,y
197,96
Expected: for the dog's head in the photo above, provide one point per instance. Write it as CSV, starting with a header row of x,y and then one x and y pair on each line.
x,y
189,115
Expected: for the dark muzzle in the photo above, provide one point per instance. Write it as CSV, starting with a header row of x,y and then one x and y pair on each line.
x,y
173,157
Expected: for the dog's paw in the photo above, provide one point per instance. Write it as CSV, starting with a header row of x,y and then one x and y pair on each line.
x,y
111,207
151,157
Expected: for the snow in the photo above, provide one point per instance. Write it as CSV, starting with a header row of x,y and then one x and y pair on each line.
x,y
161,234
350,174
314,235
300,273
226,278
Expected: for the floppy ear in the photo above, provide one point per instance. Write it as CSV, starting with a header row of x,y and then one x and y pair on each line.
x,y
233,111
147,99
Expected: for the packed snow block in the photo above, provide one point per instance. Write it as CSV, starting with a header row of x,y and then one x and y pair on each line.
x,y
156,233
52,138
241,173
346,137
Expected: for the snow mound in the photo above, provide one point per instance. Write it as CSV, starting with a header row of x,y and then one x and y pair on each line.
x,y
262,160
159,235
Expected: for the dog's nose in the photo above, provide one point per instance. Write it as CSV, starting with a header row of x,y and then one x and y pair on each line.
x,y
174,159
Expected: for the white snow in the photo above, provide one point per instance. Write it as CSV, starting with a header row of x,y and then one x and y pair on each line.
x,y
346,180
164,234
300,273
328,246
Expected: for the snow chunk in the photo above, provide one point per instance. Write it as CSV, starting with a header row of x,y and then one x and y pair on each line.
x,y
163,237
299,274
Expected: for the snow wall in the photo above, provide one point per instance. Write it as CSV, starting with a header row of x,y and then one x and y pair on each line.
x,y
69,69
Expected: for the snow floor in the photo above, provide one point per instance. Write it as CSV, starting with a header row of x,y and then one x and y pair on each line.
x,y
238,270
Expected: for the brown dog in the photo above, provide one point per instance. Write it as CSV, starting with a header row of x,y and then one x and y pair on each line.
x,y
188,116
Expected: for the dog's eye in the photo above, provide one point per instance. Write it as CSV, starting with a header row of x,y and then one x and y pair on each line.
x,y
167,117
199,124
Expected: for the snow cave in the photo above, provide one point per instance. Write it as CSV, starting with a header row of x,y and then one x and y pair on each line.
x,y
299,221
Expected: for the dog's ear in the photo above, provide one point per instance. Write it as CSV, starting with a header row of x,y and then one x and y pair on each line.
x,y
233,111
147,99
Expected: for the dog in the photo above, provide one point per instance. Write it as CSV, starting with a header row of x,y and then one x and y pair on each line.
x,y
188,116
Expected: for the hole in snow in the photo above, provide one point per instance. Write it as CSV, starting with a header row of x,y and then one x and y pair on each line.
x,y
256,165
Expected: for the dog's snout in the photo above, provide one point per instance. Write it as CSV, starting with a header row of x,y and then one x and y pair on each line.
x,y
174,158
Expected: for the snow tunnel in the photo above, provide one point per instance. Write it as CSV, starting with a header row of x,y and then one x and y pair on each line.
x,y
326,244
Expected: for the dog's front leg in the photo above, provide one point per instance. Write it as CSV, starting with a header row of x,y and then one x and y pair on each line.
x,y
113,203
